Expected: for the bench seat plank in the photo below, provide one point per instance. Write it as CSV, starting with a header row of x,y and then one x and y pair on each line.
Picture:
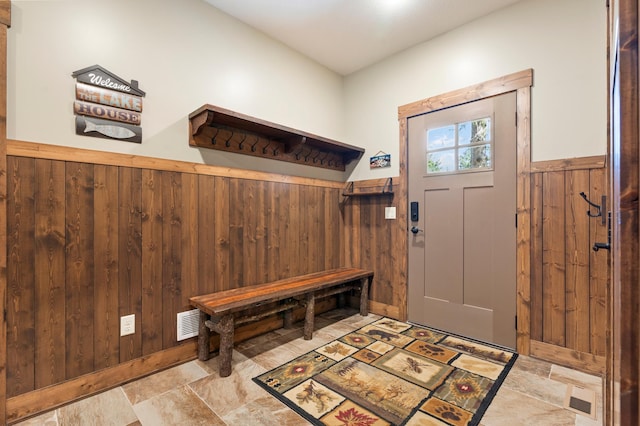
x,y
218,303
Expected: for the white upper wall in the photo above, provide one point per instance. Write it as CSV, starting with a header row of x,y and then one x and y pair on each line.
x,y
184,54
564,41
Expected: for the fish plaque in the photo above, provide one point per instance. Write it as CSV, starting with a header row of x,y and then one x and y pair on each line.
x,y
96,127
107,106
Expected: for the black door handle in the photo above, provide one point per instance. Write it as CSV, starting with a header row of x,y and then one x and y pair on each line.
x,y
415,229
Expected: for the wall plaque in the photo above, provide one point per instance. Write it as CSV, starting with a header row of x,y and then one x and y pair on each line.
x,y
107,106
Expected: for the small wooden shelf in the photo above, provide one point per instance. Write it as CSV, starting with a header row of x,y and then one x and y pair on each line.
x,y
213,127
371,191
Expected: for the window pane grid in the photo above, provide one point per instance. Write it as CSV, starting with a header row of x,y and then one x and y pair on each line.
x,y
460,147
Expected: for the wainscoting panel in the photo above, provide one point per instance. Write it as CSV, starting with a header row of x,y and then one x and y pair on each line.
x,y
569,280
90,241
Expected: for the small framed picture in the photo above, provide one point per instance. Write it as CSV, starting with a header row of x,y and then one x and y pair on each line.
x,y
380,160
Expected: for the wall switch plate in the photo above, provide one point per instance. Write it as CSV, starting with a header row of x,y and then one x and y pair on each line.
x,y
389,212
127,325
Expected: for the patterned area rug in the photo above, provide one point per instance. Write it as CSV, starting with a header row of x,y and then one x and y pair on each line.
x,y
392,373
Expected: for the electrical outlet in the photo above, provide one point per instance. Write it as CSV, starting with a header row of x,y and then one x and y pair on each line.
x,y
127,325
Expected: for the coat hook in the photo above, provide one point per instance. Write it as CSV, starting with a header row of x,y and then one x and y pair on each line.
x,y
298,152
242,141
598,208
227,143
253,146
315,158
306,157
264,149
326,154
213,138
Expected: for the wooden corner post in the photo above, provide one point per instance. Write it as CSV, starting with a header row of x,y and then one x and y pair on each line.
x,y
5,22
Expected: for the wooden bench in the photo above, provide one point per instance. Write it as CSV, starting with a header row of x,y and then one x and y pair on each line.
x,y
222,311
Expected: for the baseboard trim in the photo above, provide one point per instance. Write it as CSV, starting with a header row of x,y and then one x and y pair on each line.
x,y
577,360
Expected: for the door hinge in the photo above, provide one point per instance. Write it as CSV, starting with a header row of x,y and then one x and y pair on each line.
x,y
516,324
516,115
516,220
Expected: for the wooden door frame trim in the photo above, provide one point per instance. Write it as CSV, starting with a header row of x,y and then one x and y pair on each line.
x,y
519,82
5,22
622,388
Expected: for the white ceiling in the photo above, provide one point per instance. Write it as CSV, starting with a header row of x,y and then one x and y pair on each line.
x,y
348,35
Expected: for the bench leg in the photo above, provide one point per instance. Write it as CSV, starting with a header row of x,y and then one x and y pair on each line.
x,y
203,337
288,318
309,316
364,296
225,329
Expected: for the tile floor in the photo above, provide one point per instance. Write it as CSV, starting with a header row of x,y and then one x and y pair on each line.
x,y
194,394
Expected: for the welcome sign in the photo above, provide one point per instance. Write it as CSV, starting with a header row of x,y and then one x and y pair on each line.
x,y
107,106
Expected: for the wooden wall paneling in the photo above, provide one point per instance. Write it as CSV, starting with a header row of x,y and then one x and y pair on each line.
x,y
523,211
130,257
315,222
385,227
207,250
366,242
318,238
250,210
190,243
50,245
350,211
5,19
105,245
537,299
296,211
79,269
172,255
624,99
20,276
151,227
400,233
598,268
577,222
284,212
261,234
272,230
236,233
221,280
305,212
553,263
333,230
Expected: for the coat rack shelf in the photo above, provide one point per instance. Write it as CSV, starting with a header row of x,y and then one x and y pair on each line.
x,y
385,189
213,127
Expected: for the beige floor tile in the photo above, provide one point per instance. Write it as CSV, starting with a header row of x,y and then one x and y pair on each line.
x,y
567,375
179,406
536,386
275,357
533,366
47,419
107,408
225,394
266,411
163,381
510,408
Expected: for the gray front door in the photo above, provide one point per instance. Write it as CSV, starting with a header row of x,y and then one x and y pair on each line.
x,y
462,248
